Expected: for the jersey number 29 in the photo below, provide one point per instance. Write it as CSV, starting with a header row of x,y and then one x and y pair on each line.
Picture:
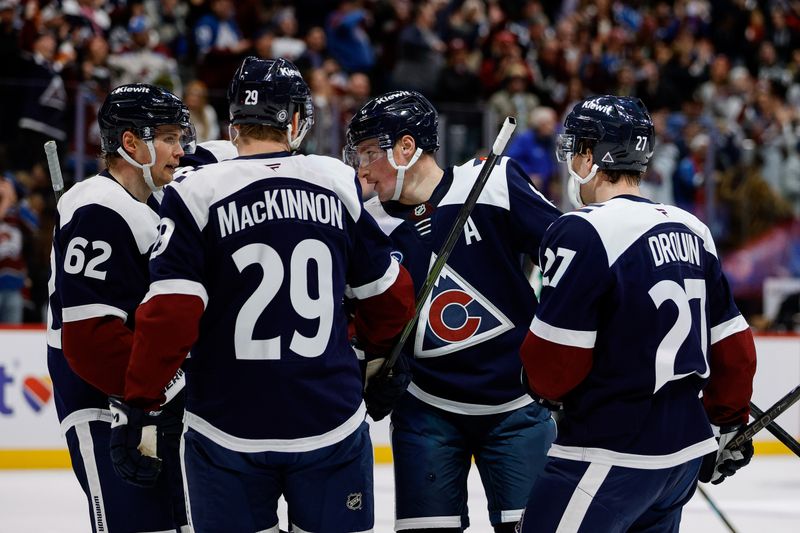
x,y
273,275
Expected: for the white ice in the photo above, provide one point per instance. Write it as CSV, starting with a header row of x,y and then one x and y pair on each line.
x,y
762,498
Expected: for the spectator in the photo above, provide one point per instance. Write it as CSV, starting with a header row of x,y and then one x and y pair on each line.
x,y
420,51
348,42
17,222
286,44
143,61
534,149
203,115
315,52
43,105
514,98
458,81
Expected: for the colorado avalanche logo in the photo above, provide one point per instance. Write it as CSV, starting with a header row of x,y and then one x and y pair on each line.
x,y
456,316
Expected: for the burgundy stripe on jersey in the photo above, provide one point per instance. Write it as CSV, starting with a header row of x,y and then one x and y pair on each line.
x,y
553,369
380,318
166,325
97,349
726,397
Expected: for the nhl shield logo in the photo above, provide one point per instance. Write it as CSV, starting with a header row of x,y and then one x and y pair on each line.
x,y
354,501
456,316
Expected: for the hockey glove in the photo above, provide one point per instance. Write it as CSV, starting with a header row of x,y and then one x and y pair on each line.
x,y
382,392
724,463
552,405
170,421
134,443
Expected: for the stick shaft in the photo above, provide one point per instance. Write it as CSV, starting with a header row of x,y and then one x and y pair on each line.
x,y
57,179
765,418
716,509
781,434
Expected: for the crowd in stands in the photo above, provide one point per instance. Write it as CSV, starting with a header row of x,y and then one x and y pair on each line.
x,y
721,77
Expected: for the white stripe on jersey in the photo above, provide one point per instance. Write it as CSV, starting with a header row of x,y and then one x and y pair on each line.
x,y
105,192
630,460
84,415
177,286
512,515
303,444
565,337
376,287
582,498
385,221
213,183
82,312
471,409
86,445
428,522
494,193
728,328
607,220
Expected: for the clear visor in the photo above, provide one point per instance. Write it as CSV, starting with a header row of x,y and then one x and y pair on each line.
x,y
188,139
362,156
565,146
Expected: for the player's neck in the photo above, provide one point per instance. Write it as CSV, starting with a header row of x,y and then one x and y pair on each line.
x,y
607,190
132,180
249,146
420,181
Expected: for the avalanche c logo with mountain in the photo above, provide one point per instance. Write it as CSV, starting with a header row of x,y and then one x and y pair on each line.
x,y
456,316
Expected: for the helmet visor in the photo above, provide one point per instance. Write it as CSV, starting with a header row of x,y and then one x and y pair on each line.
x,y
188,139
567,144
362,156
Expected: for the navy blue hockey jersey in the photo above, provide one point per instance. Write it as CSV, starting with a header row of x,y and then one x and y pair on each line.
x,y
466,345
635,316
98,276
260,252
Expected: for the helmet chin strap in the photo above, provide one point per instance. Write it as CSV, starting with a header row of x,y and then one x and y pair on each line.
x,y
148,177
401,170
294,144
231,136
575,182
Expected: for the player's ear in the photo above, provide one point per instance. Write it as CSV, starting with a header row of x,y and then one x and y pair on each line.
x,y
129,142
407,145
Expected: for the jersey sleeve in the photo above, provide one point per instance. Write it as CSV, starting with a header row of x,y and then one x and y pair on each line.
x,y
531,212
732,357
382,288
99,264
167,321
557,352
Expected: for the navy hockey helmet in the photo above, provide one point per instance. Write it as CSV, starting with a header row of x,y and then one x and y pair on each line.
x,y
269,92
390,116
141,108
617,129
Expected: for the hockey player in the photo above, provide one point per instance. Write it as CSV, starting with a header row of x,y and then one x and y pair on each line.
x,y
255,257
103,234
465,399
635,320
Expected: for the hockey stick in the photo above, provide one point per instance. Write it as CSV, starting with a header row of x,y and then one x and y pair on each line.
x,y
778,431
55,168
765,418
444,253
716,509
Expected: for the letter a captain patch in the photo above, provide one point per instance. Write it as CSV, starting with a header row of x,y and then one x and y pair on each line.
x,y
456,316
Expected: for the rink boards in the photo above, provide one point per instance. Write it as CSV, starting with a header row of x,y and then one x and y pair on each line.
x,y
30,436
